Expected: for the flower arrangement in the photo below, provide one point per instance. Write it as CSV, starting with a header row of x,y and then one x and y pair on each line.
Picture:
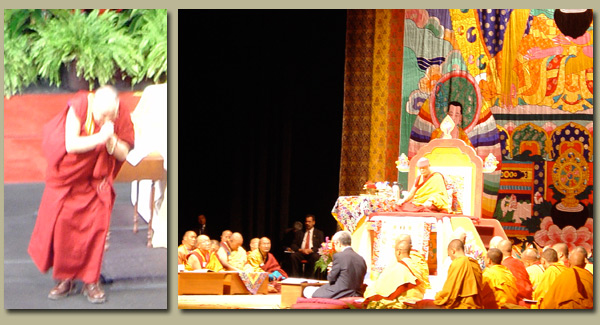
x,y
326,251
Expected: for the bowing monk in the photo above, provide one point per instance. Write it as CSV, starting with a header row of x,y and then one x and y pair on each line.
x,y
518,270
552,269
262,260
401,281
428,194
499,284
85,146
188,244
463,285
573,288
202,258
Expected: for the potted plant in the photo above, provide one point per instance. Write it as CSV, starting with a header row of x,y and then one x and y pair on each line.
x,y
152,33
19,33
89,45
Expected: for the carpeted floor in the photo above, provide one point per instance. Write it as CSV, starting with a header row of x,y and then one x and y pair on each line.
x,y
136,276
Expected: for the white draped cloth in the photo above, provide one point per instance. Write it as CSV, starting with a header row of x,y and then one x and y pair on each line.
x,y
150,123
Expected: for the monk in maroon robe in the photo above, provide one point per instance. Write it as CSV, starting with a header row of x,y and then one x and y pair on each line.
x,y
85,146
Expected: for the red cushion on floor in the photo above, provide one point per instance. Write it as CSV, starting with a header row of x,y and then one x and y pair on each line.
x,y
318,306
353,301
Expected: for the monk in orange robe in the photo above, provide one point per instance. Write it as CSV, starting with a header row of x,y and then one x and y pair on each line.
x,y
562,250
499,284
463,285
518,270
401,281
202,258
188,244
552,269
85,146
428,194
573,288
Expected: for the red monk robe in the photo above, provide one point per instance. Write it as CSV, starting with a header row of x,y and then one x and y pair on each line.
x,y
74,214
520,272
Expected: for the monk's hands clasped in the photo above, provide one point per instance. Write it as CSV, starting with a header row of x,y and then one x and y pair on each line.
x,y
107,131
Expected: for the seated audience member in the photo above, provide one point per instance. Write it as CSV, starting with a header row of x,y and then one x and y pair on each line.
x,y
202,258
253,245
231,254
518,270
214,245
202,229
463,284
499,284
531,260
400,281
495,241
552,269
428,194
573,288
225,235
290,234
261,260
306,247
347,273
562,250
188,244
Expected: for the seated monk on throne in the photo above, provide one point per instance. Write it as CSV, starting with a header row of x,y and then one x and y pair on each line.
x,y
428,194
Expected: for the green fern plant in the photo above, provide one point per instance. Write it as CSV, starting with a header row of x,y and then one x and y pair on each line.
x,y
95,42
151,31
19,69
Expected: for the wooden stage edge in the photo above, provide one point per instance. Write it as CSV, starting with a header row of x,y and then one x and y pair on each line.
x,y
259,301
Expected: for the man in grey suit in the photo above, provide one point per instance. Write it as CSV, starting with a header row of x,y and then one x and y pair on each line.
x,y
347,273
306,247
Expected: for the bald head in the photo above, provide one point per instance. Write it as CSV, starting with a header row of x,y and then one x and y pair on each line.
x,y
236,241
189,239
105,104
549,255
530,256
203,243
495,256
456,248
403,237
254,243
495,241
264,245
578,256
562,250
505,246
402,249
225,235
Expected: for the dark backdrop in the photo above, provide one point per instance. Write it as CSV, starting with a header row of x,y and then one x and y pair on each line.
x,y
260,119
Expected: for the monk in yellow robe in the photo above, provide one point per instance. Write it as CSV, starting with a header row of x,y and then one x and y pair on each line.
x,y
188,244
533,266
231,254
401,281
202,258
428,194
463,285
573,288
262,260
499,284
552,269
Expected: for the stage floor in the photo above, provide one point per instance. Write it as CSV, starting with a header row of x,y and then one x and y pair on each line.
x,y
269,301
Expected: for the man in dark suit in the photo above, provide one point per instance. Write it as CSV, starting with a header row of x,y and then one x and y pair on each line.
x,y
347,273
306,247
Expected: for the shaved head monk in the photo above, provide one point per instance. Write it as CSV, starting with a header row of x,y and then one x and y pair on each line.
x,y
85,146
499,284
262,260
562,250
531,260
573,288
463,285
188,244
400,281
231,254
553,269
202,258
428,194
518,270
